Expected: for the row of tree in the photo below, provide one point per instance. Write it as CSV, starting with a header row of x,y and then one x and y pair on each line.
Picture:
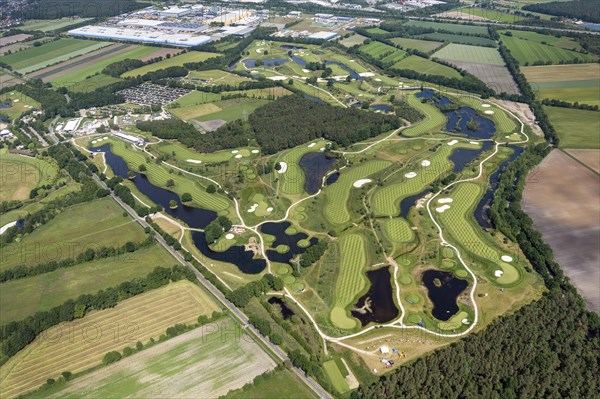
x,y
587,10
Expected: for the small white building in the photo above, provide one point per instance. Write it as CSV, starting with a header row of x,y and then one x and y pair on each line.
x,y
130,139
384,349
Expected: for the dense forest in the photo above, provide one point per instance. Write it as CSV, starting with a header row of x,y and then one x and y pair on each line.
x,y
587,10
52,9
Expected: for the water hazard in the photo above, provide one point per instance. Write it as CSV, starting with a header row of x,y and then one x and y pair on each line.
x,y
443,289
377,305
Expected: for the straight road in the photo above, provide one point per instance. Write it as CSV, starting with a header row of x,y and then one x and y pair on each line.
x,y
308,381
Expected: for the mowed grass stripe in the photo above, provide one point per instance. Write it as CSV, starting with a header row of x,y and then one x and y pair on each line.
x,y
466,53
151,312
292,181
434,119
337,195
88,225
428,67
504,122
398,230
529,52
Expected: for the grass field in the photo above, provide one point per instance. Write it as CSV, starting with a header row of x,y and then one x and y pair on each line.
x,y
182,153
93,83
279,384
20,174
23,297
79,345
462,52
494,15
460,39
337,195
158,175
562,42
197,98
216,76
292,181
192,56
576,128
82,74
230,110
88,225
454,28
504,123
428,67
528,52
422,45
35,58
434,119
20,103
351,279
571,83
383,52
353,40
335,376
398,230
46,25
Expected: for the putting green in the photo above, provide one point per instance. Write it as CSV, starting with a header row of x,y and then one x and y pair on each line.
x,y
412,298
448,263
289,280
405,280
290,231
303,243
454,323
447,252
339,318
299,217
283,270
510,275
414,318
461,273
298,286
282,249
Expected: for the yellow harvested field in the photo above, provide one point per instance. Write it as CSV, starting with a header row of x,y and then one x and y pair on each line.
x,y
555,73
79,345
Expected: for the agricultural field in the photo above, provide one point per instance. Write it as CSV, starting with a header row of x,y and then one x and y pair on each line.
x,y
530,52
96,223
588,157
425,46
563,42
95,66
571,83
351,279
20,174
335,376
454,28
179,60
336,207
6,40
425,66
24,297
80,345
493,15
462,52
35,58
353,40
576,128
383,52
456,38
278,384
47,25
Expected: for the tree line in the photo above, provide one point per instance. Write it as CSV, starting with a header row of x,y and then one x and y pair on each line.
x,y
588,10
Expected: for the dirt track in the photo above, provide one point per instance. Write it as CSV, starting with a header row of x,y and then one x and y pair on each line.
x,y
563,199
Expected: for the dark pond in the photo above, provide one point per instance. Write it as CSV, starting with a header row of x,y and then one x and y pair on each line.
x,y
286,312
439,100
443,297
278,230
194,217
482,209
381,107
346,68
315,166
298,61
409,202
462,156
235,254
315,99
318,52
5,104
288,47
332,178
379,299
251,63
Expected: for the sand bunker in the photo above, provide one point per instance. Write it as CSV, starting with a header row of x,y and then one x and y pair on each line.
x,y
270,209
238,156
311,145
322,149
378,80
229,236
452,142
410,175
506,258
465,321
498,273
305,70
442,208
255,151
474,142
445,200
283,167
485,105
235,151
253,208
193,161
488,112
425,162
94,141
361,182
366,74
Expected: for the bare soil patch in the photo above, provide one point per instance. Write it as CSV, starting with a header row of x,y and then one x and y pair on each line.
x,y
212,125
460,15
497,77
4,41
524,113
563,199
590,158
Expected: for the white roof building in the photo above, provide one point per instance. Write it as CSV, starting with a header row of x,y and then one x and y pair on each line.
x,y
384,349
139,35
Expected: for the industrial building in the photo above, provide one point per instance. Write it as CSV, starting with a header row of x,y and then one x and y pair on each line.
x,y
130,139
323,35
144,36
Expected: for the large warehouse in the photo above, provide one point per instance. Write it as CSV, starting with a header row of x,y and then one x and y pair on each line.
x,y
144,36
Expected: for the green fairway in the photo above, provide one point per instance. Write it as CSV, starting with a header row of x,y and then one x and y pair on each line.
x,y
23,297
20,174
216,76
425,66
35,58
292,181
230,110
576,128
465,53
383,52
159,175
434,119
91,224
19,103
351,278
504,123
82,74
398,230
183,154
529,52
422,45
335,376
337,195
178,60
